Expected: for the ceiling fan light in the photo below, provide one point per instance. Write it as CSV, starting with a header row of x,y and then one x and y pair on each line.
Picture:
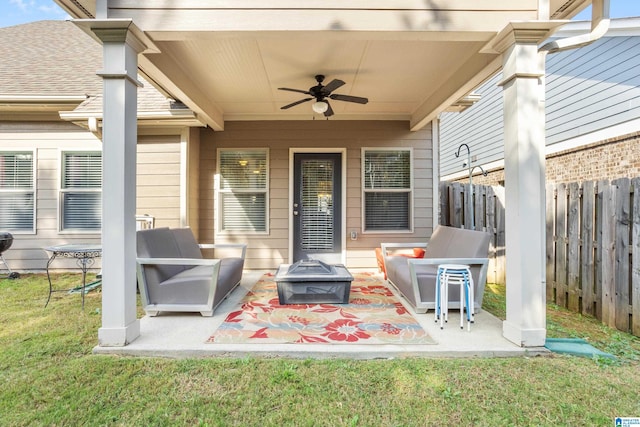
x,y
320,107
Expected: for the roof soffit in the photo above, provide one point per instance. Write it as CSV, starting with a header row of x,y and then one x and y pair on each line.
x,y
226,60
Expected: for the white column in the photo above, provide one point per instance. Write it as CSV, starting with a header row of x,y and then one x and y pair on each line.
x,y
120,325
524,140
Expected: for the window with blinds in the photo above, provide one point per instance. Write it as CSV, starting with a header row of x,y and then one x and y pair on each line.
x,y
17,192
242,192
81,191
387,189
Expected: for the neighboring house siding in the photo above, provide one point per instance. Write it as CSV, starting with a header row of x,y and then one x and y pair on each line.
x,y
480,127
270,250
587,90
592,88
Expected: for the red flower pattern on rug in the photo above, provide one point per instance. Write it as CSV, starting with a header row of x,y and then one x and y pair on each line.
x,y
374,315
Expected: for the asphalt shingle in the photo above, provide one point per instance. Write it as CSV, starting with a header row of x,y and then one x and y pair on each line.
x,y
56,58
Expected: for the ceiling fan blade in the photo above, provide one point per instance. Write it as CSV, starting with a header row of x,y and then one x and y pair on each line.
x,y
293,104
349,98
329,111
306,92
332,85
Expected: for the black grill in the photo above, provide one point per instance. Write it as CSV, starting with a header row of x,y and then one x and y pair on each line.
x,y
6,240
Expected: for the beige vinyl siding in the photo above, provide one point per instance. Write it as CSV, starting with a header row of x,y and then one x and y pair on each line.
x,y
193,182
267,251
158,186
158,179
47,140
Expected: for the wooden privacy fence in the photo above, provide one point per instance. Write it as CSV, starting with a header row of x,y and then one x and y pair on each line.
x,y
486,212
593,250
592,243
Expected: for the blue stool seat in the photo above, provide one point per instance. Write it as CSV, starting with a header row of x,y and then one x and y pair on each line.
x,y
454,274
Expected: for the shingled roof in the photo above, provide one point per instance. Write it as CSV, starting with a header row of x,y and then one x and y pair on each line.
x,y
49,58
56,58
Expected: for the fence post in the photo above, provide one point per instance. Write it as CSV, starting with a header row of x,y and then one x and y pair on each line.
x,y
587,238
635,259
622,224
607,244
501,260
455,204
468,207
573,258
490,223
550,242
561,246
479,206
444,203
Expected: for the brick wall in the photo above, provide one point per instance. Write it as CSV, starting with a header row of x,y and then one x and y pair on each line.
x,y
610,159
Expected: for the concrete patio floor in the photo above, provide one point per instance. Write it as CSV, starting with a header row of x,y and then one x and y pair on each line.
x,y
180,335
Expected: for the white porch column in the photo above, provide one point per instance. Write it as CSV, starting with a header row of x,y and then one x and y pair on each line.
x,y
120,324
524,136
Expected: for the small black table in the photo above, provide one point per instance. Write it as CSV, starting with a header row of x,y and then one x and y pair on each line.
x,y
84,254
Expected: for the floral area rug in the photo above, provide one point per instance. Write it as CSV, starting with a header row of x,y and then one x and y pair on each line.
x,y
374,315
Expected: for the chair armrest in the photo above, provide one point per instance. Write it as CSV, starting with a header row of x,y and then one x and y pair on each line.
x,y
177,261
242,246
482,262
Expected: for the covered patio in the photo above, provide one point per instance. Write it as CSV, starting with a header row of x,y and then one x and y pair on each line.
x,y
227,61
179,335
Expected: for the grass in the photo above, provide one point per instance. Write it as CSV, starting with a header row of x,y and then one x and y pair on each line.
x,y
48,376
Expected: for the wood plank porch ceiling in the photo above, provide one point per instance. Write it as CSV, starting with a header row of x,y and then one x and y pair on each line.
x,y
226,59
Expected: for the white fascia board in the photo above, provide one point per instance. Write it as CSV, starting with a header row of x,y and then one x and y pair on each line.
x,y
39,103
619,27
179,118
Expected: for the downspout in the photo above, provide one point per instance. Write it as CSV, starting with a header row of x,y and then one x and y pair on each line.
x,y
599,26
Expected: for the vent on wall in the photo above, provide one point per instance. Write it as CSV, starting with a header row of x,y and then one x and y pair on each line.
x,y
568,7
82,9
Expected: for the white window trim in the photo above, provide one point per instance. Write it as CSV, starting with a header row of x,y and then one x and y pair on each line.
x,y
61,191
363,150
34,189
218,192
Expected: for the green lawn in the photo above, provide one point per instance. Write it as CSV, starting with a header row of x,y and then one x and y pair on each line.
x,y
48,376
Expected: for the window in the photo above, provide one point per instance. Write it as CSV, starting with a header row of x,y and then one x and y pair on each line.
x,y
17,194
81,191
387,189
243,190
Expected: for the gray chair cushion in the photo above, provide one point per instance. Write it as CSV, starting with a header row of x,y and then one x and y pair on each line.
x,y
158,243
187,243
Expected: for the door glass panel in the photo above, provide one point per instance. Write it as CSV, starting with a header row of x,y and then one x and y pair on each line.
x,y
317,205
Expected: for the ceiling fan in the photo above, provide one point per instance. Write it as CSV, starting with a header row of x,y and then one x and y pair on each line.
x,y
320,93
